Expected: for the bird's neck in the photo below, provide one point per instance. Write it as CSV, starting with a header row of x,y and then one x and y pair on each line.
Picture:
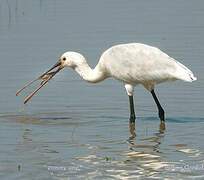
x,y
91,75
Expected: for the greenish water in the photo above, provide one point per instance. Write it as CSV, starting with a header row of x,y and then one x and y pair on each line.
x,y
75,130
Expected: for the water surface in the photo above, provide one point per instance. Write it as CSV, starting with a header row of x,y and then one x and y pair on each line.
x,y
76,130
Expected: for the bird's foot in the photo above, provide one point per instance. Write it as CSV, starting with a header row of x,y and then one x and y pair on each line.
x,y
132,119
162,127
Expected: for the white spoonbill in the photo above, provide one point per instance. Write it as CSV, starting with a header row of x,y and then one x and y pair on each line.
x,y
132,64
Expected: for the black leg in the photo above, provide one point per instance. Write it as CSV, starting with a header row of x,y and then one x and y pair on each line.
x,y
160,109
132,111
132,130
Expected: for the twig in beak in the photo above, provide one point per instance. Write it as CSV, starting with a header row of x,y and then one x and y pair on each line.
x,y
28,84
33,93
47,77
43,76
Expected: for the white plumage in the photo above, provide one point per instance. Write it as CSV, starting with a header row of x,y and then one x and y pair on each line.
x,y
132,63
138,63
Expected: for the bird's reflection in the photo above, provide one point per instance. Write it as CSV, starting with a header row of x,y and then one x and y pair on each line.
x,y
27,136
156,139
132,131
145,152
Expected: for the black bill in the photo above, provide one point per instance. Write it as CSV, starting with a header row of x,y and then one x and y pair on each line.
x,y
45,77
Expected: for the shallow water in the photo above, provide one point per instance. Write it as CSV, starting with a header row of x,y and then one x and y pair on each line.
x,y
75,130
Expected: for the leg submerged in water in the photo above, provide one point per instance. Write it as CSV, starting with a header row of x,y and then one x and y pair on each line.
x,y
132,111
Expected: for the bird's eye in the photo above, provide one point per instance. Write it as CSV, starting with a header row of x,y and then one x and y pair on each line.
x,y
64,58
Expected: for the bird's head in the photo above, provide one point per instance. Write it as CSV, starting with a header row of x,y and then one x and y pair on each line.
x,y
71,59
68,59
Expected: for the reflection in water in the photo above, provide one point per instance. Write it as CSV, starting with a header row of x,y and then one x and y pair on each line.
x,y
146,154
162,128
143,159
80,137
132,131
26,142
9,13
95,154
27,136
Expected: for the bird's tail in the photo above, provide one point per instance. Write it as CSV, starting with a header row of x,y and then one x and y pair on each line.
x,y
184,73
